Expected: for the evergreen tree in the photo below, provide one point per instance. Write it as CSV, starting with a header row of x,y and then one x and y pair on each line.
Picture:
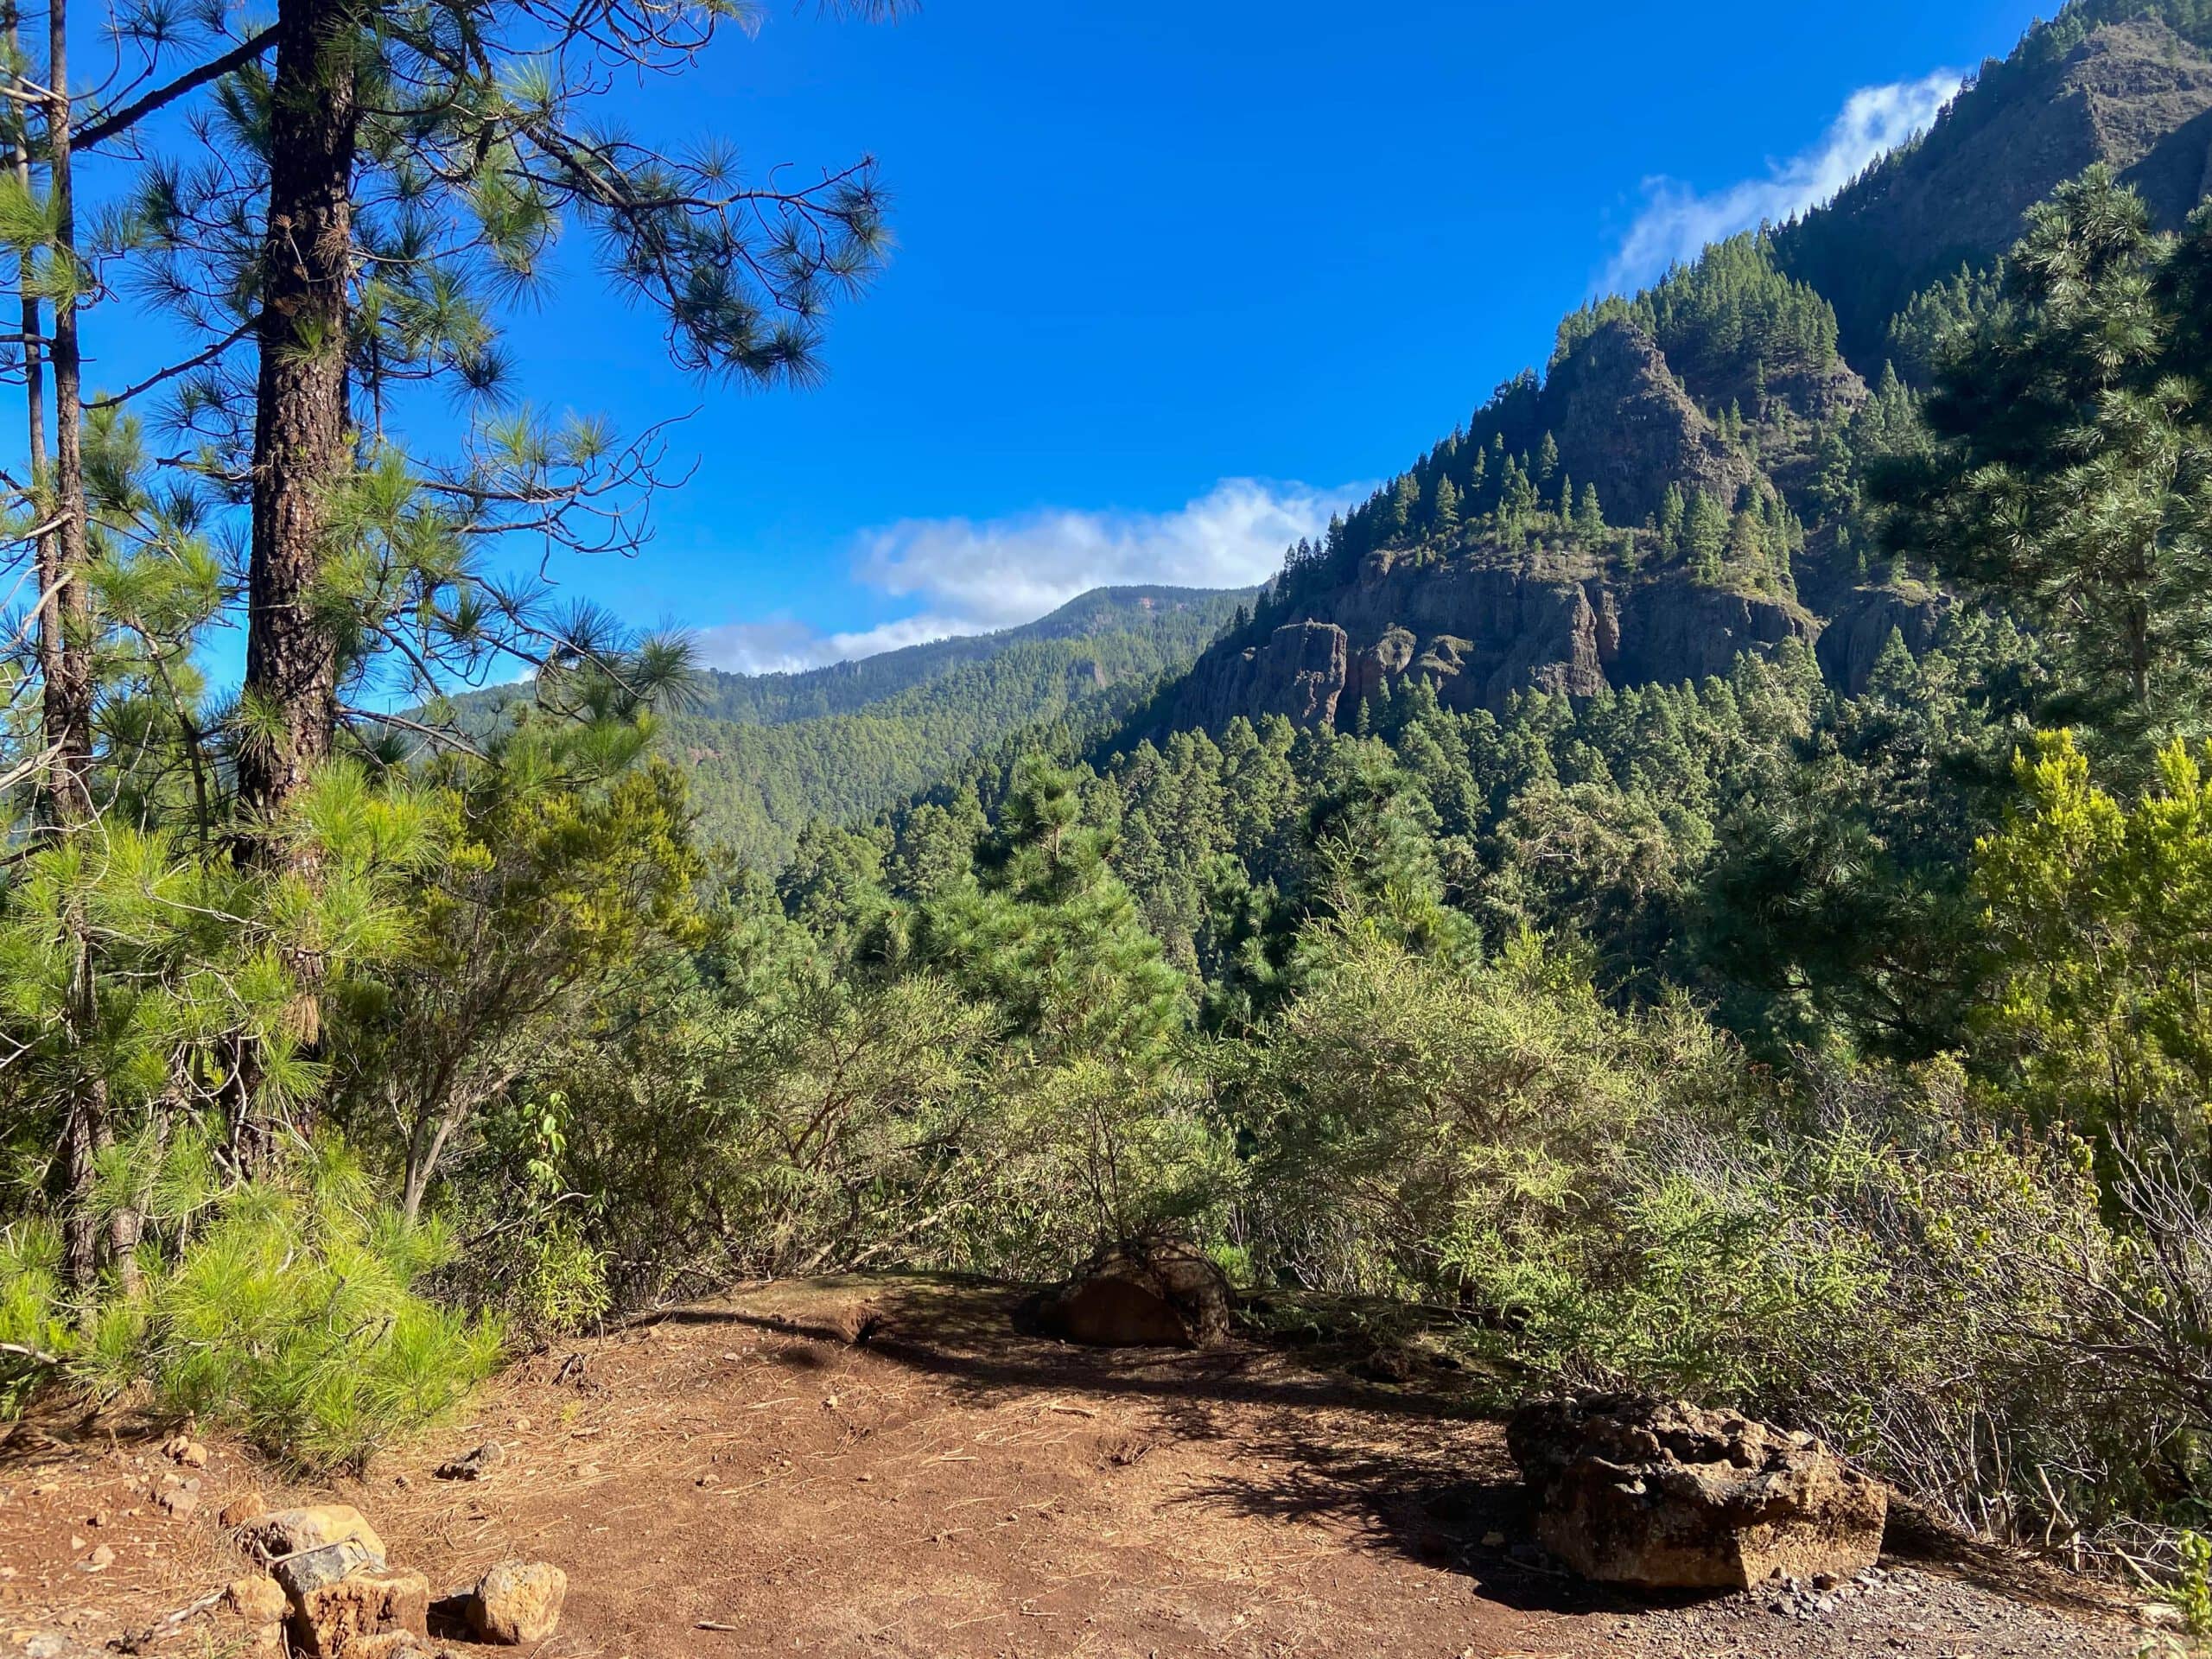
x,y
1405,505
2067,477
1447,514
1051,936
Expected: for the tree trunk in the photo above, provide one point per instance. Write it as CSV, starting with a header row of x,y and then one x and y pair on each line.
x,y
302,440
65,638
303,448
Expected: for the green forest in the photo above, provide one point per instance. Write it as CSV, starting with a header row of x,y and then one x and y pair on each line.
x,y
1831,1046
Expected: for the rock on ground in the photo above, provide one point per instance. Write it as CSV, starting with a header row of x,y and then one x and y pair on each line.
x,y
337,1621
1667,1496
517,1602
1151,1293
317,1526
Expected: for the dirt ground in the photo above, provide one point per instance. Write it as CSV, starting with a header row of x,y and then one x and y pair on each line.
x,y
887,1468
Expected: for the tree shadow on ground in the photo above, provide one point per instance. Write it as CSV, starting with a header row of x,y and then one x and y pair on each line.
x,y
1321,1446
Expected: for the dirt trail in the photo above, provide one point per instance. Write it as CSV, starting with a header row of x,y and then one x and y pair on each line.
x,y
885,1468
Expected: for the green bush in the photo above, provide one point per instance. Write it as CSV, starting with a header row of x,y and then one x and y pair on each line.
x,y
31,1328
287,1310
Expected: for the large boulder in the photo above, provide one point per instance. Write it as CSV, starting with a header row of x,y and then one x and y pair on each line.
x,y
1157,1293
1666,1495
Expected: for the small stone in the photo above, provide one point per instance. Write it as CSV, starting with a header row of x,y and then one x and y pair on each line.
x,y
473,1465
75,1542
182,1448
181,1502
248,1505
256,1598
1493,1538
100,1559
97,1518
517,1602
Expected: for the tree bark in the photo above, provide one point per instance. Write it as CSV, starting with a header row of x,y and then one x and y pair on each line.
x,y
303,448
66,626
302,437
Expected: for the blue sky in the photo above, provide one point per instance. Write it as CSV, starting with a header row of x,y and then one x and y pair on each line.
x,y
1174,277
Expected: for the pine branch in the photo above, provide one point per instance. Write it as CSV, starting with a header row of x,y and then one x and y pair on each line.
x,y
238,57
199,361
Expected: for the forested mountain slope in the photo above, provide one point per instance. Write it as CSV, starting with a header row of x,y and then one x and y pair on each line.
x,y
1682,484
1167,615
766,752
2124,82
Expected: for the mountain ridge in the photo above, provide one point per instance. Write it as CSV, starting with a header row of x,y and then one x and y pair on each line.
x,y
1685,482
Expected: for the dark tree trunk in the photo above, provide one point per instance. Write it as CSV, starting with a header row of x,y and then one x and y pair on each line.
x,y
302,451
65,638
302,440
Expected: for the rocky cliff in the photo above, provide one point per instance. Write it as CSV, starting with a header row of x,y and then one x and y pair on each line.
x,y
1723,430
1625,423
1478,635
2134,94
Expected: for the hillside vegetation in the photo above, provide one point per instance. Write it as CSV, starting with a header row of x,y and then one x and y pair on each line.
x,y
767,753
1702,884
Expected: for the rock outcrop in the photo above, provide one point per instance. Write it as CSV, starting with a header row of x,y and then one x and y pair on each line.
x,y
1299,671
2135,96
1479,634
1861,629
1666,1495
1154,1292
1625,423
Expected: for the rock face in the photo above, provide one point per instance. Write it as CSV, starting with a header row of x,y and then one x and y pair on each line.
x,y
1853,641
1479,634
1160,1293
2134,95
1626,424
1671,1497
1299,671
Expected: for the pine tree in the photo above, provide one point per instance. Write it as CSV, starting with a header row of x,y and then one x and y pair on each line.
x,y
1446,513
1705,536
1589,517
1405,505
1673,512
1051,935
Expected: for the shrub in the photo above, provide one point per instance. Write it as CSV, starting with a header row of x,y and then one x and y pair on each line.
x,y
286,1309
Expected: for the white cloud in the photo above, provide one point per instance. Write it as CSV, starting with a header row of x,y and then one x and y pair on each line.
x,y
972,576
1677,222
